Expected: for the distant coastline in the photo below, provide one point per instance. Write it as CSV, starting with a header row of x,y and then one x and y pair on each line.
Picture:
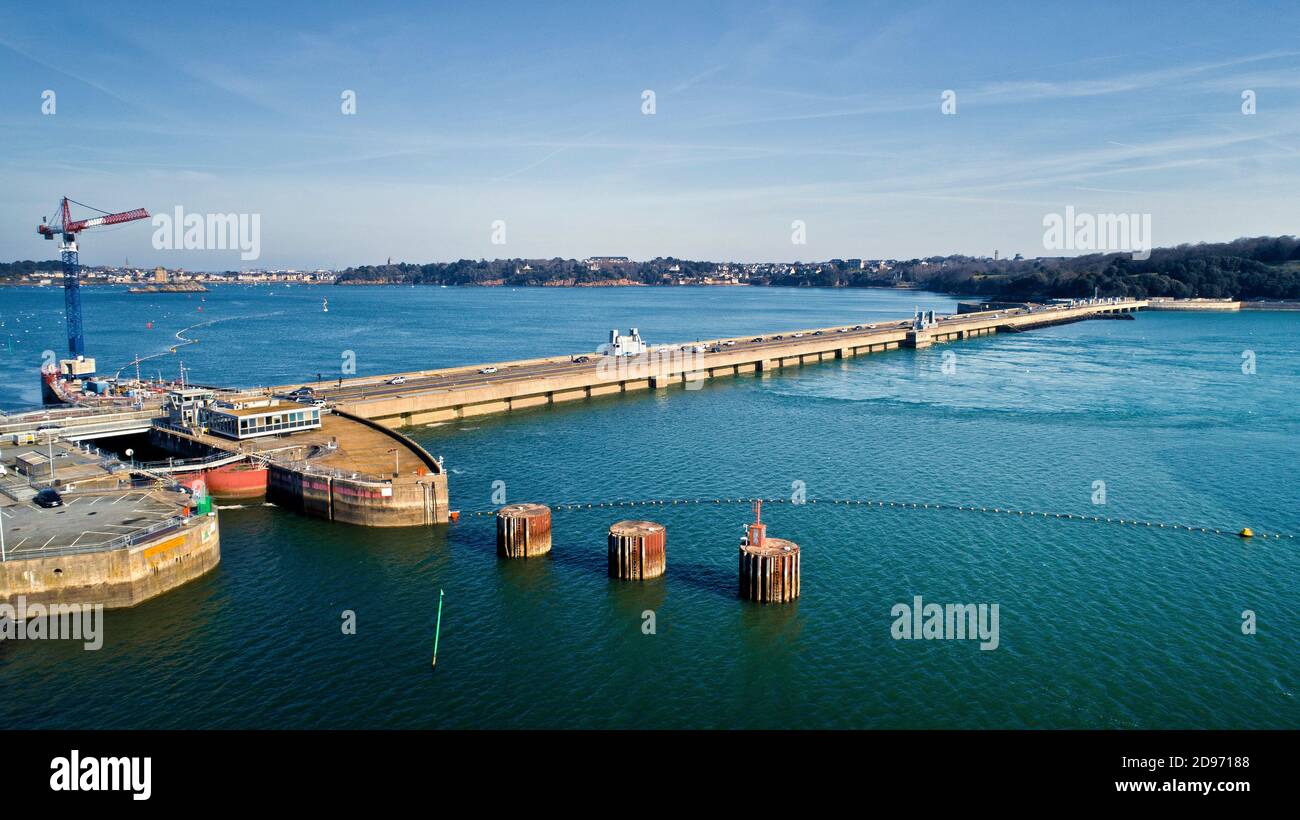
x,y
1250,269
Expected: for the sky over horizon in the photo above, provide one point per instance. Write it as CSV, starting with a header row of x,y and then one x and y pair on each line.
x,y
532,114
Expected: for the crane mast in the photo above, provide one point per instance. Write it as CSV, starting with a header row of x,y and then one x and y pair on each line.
x,y
67,230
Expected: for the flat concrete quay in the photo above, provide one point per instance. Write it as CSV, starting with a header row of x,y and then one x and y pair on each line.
x,y
430,396
87,521
110,547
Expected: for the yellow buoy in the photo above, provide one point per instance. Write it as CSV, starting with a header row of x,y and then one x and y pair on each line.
x,y
1246,532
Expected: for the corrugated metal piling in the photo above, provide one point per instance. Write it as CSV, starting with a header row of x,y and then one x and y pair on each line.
x,y
769,567
770,572
637,550
523,530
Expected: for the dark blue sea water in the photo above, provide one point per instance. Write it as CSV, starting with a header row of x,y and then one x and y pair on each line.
x,y
1101,624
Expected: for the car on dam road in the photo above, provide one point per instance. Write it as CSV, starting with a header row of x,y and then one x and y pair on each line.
x,y
487,371
397,380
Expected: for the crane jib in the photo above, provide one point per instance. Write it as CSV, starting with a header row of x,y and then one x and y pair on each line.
x,y
69,226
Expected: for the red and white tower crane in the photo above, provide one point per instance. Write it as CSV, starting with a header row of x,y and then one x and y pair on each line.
x,y
66,228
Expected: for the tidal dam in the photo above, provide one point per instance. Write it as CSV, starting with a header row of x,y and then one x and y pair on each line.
x,y
428,396
332,449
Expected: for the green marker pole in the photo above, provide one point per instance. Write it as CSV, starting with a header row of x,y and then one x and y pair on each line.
x,y
437,633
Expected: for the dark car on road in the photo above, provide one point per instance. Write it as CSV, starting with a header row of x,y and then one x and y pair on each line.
x,y
48,498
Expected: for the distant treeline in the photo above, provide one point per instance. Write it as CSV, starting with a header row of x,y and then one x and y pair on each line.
x,y
10,269
1262,267
523,272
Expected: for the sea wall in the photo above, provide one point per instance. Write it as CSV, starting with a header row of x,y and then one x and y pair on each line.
x,y
1217,305
117,578
367,503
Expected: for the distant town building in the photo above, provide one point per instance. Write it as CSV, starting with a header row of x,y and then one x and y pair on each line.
x,y
595,263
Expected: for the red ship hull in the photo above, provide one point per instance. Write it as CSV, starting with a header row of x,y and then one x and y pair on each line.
x,y
231,481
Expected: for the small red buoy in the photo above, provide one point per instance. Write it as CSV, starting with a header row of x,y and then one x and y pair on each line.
x,y
148,325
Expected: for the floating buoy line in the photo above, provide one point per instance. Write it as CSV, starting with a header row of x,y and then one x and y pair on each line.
x,y
1243,532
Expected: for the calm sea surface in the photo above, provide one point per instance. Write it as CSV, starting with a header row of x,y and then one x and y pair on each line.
x,y
1101,625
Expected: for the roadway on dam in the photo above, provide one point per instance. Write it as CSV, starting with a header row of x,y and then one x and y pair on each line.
x,y
466,377
398,399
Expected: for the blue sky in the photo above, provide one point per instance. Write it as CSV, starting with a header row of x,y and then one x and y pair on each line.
x,y
531,113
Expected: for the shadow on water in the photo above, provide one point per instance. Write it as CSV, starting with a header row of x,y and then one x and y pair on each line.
x,y
529,577
704,577
630,599
763,625
585,559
